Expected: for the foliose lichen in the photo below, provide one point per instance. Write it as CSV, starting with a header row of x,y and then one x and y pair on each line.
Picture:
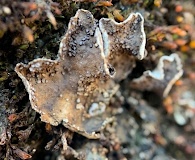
x,y
93,57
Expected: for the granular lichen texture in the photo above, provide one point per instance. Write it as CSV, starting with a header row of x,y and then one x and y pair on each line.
x,y
93,56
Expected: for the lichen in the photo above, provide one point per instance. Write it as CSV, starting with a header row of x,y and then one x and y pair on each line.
x,y
132,41
162,78
63,90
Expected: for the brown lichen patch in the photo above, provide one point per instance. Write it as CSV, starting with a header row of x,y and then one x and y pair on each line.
x,y
75,88
121,41
161,79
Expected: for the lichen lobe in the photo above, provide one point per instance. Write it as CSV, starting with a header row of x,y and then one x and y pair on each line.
x,y
162,78
63,90
123,42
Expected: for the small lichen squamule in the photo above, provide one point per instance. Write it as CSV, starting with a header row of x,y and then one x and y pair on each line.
x,y
83,76
162,78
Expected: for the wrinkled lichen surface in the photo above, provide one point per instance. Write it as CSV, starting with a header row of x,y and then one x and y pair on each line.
x,y
143,121
63,90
